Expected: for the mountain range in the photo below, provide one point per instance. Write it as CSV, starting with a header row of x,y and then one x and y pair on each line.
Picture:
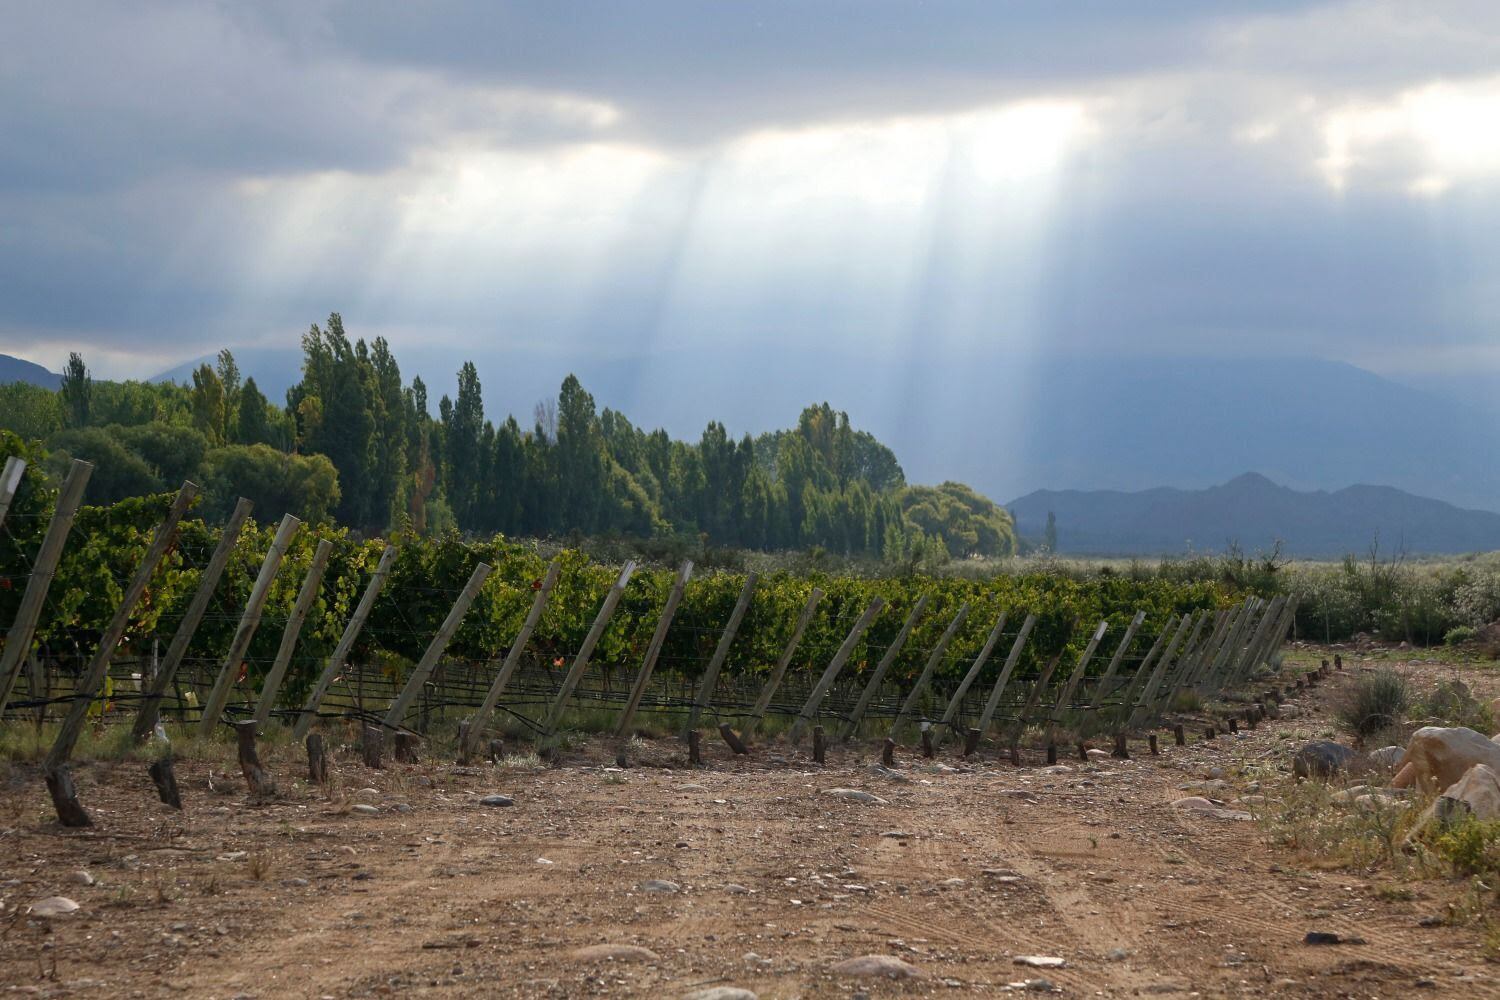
x,y
1255,513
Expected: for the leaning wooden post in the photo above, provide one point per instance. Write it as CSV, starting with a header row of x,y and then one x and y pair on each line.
x,y
927,669
1174,673
93,677
10,481
255,775
145,719
1114,661
165,780
945,724
1207,650
255,605
346,642
581,661
881,669
762,703
1127,697
317,759
988,715
1032,700
435,648
23,628
1065,696
1149,694
820,690
653,650
1213,678
470,738
271,686
721,652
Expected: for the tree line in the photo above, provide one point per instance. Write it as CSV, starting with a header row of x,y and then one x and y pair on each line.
x,y
357,444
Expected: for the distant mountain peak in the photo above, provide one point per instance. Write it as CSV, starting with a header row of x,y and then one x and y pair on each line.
x,y
14,369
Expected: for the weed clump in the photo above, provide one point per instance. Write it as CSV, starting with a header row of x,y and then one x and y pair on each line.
x,y
1374,703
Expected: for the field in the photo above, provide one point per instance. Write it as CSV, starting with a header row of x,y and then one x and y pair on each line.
x,y
744,873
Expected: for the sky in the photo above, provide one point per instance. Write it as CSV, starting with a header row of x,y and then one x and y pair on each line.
x,y
671,185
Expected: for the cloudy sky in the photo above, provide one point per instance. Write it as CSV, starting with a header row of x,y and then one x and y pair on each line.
x,y
875,180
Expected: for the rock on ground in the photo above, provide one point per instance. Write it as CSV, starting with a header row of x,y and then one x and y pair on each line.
x,y
52,906
614,953
854,795
877,967
1476,793
1322,759
721,993
1437,757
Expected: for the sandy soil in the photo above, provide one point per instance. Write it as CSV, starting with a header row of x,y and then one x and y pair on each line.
x,y
957,872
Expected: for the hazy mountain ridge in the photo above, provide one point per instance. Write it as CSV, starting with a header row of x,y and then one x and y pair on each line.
x,y
13,369
1255,513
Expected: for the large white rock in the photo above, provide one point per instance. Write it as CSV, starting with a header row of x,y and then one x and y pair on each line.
x,y
1437,757
1477,792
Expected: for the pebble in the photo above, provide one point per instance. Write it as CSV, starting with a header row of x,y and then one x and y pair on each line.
x,y
368,793
854,795
877,967
721,993
660,885
295,883
1040,961
497,800
614,953
81,877
692,786
364,809
736,889
1117,954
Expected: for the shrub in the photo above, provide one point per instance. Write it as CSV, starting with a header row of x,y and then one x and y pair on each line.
x,y
1471,846
1374,703
1460,634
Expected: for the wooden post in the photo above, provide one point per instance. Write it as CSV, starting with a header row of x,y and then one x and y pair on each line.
x,y
888,752
1179,735
435,648
1116,660
23,627
1338,661
92,680
150,711
820,745
1151,742
1128,696
317,759
371,745
1051,753
988,715
872,687
971,742
721,652
255,605
581,661
653,650
928,750
305,598
774,681
10,481
406,747
255,776
1036,692
165,780
65,797
1209,733
820,690
695,747
1162,701
932,661
1234,725
732,738
1065,696
341,652
469,739
1149,694
1083,751
946,722
496,751
1122,749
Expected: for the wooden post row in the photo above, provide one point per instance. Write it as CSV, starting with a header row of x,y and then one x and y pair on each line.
x,y
993,702
872,687
933,660
820,690
721,652
471,737
271,686
774,681
945,724
435,648
653,650
255,605
18,638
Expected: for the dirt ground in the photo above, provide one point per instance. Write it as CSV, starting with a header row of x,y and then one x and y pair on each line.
x,y
962,868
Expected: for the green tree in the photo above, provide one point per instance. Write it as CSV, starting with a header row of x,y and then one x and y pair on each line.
x,y
1049,537
77,391
174,452
253,420
277,483
118,472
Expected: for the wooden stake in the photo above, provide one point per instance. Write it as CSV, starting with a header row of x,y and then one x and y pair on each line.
x,y
653,650
581,661
1116,660
774,681
933,660
888,752
1179,735
928,751
317,759
469,739
951,711
434,652
971,742
256,778
23,626
372,743
150,711
10,481
341,652
1151,741
1122,748
497,751
1209,733
65,797
695,747
92,681
1051,753
165,780
1065,696
988,715
872,686
406,748
820,745
255,606
305,598
711,673
820,690
732,738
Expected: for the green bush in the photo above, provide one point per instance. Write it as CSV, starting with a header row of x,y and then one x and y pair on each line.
x,y
1374,703
1471,846
1460,634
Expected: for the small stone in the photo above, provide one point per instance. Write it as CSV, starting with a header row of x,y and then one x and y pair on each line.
x,y
614,953
234,856
1038,985
721,993
854,795
1117,954
367,793
692,786
736,889
399,807
896,834
497,800
1040,961
660,885
81,877
364,809
52,906
877,967
1328,937
1094,753
296,883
